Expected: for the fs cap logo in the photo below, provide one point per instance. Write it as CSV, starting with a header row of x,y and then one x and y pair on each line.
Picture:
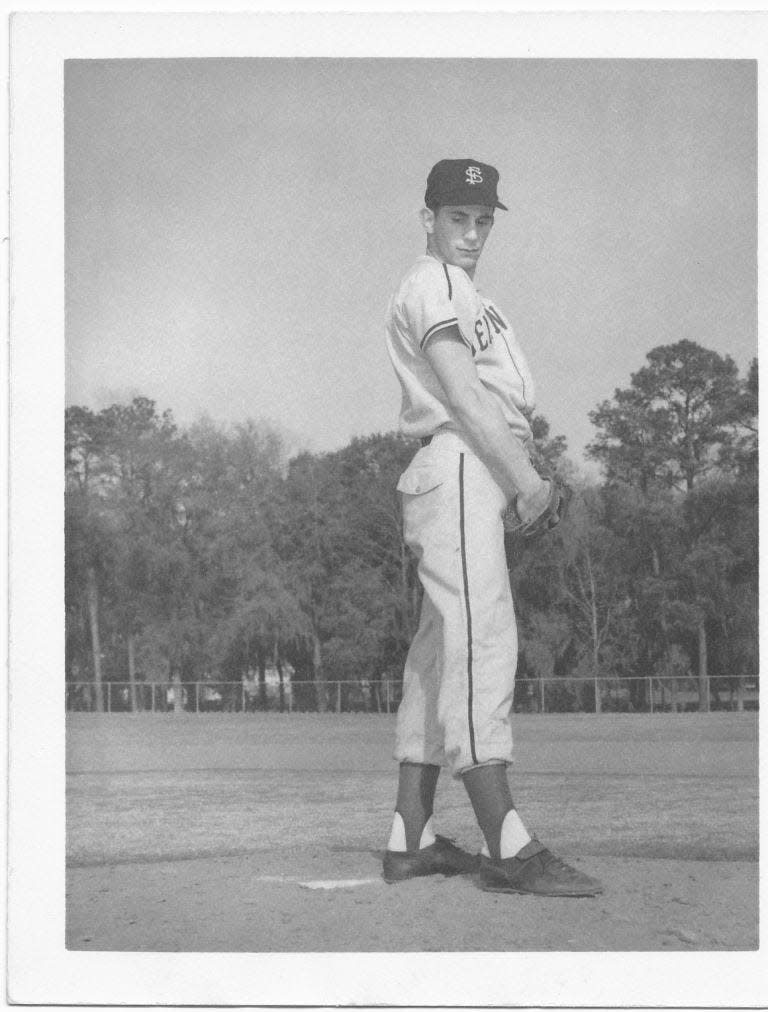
x,y
457,181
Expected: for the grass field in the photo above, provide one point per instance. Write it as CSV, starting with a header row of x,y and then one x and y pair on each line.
x,y
255,820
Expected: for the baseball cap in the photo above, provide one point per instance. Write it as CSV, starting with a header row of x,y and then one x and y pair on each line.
x,y
462,181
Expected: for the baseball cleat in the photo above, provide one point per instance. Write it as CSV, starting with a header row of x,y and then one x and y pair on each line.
x,y
535,870
442,857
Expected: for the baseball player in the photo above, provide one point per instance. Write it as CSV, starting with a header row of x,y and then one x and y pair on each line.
x,y
466,393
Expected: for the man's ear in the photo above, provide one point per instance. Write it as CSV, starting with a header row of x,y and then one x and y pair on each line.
x,y
427,220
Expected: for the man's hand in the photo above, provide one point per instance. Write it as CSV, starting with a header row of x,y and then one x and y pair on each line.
x,y
530,506
531,517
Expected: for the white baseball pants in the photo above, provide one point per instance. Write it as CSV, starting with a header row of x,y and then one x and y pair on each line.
x,y
460,671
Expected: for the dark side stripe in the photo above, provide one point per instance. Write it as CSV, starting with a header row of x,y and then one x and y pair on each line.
x,y
435,327
469,610
514,363
448,279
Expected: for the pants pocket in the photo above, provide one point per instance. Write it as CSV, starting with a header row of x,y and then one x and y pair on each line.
x,y
419,479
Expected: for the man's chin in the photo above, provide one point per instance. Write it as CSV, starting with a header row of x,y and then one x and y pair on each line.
x,y
468,260
467,263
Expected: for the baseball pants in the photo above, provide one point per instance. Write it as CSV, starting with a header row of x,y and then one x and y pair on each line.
x,y
460,671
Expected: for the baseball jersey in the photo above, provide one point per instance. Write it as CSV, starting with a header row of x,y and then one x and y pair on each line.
x,y
435,295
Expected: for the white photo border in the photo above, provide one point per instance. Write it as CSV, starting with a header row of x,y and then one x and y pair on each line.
x,y
40,969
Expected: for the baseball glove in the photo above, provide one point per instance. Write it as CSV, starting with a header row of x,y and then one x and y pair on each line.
x,y
550,516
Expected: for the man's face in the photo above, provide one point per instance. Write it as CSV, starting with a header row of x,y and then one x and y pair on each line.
x,y
457,234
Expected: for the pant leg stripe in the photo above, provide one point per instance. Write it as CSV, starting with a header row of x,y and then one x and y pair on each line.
x,y
465,575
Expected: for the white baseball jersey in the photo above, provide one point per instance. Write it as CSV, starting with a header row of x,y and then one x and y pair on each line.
x,y
432,296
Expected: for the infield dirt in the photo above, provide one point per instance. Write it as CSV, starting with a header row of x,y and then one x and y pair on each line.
x,y
263,833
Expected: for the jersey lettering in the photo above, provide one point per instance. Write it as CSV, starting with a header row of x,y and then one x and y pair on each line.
x,y
483,327
488,329
498,323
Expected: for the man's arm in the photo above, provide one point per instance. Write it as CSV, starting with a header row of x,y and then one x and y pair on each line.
x,y
483,423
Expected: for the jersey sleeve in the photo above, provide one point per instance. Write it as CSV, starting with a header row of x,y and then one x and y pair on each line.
x,y
439,297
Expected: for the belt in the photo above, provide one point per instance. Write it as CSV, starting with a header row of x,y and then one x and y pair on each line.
x,y
426,440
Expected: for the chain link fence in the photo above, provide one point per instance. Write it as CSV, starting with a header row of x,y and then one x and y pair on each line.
x,y
541,695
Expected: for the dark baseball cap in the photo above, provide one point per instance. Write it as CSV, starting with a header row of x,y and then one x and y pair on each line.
x,y
459,181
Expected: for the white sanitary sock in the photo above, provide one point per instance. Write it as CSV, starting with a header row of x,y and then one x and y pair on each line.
x,y
514,836
397,836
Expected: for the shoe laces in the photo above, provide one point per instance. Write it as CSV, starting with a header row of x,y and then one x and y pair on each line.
x,y
447,841
550,861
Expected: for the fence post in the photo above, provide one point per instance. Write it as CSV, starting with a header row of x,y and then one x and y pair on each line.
x,y
386,694
541,693
338,697
650,692
109,697
197,696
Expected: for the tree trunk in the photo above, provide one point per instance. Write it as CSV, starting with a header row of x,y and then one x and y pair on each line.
x,y
321,686
703,680
595,642
668,666
596,658
655,561
262,668
376,692
281,681
178,693
132,671
93,615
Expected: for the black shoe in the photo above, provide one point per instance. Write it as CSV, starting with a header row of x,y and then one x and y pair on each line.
x,y
440,858
535,870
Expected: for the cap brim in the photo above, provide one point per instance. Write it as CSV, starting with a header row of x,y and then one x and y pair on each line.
x,y
501,207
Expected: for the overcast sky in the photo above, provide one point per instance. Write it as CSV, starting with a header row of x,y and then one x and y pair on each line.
x,y
234,227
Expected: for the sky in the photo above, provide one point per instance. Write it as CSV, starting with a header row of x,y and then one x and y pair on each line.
x,y
235,227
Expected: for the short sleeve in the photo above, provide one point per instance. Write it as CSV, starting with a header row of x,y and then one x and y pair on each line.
x,y
438,297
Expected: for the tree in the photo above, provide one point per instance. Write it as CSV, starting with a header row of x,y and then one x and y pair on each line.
x,y
685,418
144,463
241,611
550,450
740,455
265,626
90,548
337,529
592,582
90,525
649,531
719,574
674,422
122,487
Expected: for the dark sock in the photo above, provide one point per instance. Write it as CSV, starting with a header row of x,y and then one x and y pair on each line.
x,y
488,790
415,799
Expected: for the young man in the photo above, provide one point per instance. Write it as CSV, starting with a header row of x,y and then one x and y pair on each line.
x,y
466,393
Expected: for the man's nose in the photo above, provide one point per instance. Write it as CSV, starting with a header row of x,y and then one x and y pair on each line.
x,y
471,233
